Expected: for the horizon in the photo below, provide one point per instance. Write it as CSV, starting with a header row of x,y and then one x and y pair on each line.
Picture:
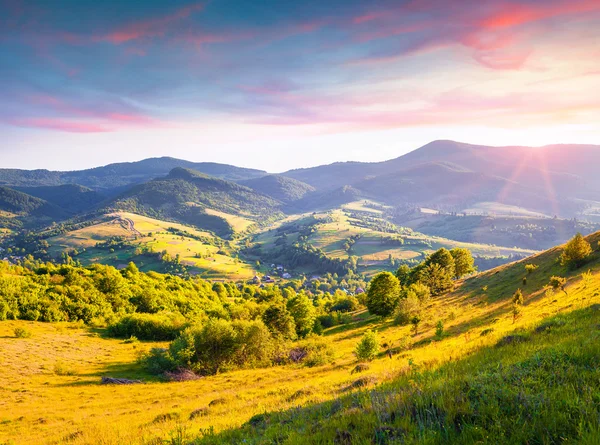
x,y
281,85
302,167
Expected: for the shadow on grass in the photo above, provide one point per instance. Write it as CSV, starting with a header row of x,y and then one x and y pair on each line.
x,y
512,392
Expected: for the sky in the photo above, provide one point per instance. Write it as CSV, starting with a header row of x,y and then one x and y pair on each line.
x,y
281,84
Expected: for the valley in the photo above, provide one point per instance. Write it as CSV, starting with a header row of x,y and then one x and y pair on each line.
x,y
348,303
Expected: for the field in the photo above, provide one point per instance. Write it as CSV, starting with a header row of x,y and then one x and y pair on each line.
x,y
496,208
140,231
238,223
51,390
373,253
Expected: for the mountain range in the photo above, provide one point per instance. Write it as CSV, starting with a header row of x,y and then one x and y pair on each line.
x,y
444,175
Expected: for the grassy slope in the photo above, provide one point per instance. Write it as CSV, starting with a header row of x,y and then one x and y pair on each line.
x,y
373,254
423,387
213,265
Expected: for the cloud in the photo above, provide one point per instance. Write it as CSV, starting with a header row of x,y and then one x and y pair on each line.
x,y
153,27
68,126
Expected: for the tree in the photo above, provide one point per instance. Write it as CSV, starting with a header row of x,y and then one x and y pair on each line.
x,y
403,274
368,347
304,314
383,294
517,304
576,252
437,278
464,263
558,283
280,322
415,321
408,306
444,259
439,330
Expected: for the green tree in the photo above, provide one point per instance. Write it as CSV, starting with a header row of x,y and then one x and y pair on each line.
x,y
439,330
280,322
464,263
444,259
403,274
383,294
437,278
558,283
517,304
416,321
304,314
576,252
368,347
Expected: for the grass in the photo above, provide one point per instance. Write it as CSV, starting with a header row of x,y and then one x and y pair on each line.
x,y
373,254
422,392
150,233
238,223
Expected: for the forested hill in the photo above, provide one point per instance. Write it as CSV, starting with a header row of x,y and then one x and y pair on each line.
x,y
122,174
22,204
185,195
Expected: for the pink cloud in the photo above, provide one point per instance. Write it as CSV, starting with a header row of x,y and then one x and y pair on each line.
x,y
65,125
156,27
495,31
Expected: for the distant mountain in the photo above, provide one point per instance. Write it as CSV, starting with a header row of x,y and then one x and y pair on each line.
x,y
123,174
557,179
185,195
279,187
329,199
70,197
24,205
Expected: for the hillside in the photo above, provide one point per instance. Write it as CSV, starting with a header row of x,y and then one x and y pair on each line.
x,y
279,187
119,238
26,206
122,174
488,378
71,197
515,227
552,179
184,195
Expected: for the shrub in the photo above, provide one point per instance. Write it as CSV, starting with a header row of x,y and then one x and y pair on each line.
x,y
158,361
60,368
558,283
159,327
576,252
345,304
368,347
415,321
439,330
327,321
219,345
313,351
22,333
530,268
408,307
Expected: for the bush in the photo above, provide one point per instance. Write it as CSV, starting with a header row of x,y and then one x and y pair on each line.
x,y
368,347
576,252
62,369
220,345
407,308
22,333
313,351
345,304
158,327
